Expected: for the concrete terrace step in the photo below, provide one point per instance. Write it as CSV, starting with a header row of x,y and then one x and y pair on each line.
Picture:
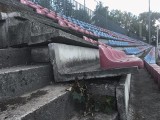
x,y
48,34
18,80
97,116
14,32
14,56
34,33
49,103
144,98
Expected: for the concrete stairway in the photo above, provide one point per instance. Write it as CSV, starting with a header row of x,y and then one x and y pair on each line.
x,y
26,90
41,104
144,98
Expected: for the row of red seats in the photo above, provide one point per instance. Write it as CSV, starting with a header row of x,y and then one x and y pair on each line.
x,y
93,41
53,15
154,70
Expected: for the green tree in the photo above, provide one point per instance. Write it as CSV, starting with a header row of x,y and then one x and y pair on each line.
x,y
100,15
82,15
143,17
44,3
126,20
116,16
64,7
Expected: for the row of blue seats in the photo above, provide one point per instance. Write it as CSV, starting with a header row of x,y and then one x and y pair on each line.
x,y
100,31
91,28
135,50
150,58
117,43
132,51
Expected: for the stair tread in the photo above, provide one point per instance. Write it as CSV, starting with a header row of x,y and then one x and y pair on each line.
x,y
32,101
20,68
16,81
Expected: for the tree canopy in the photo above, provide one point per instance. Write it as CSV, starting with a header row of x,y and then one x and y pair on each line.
x,y
143,17
132,23
100,15
81,15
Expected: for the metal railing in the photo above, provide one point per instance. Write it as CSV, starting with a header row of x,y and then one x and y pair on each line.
x,y
62,6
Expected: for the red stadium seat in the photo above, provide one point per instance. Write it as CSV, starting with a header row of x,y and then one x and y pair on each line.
x,y
52,16
24,2
40,11
61,23
108,59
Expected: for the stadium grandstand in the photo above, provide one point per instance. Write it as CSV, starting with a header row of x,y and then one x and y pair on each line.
x,y
56,67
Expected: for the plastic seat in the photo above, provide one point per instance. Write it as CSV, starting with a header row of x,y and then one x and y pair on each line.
x,y
46,10
109,61
52,16
62,24
40,11
25,2
150,57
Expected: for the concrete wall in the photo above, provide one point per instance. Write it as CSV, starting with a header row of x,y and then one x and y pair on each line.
x,y
71,62
122,95
127,91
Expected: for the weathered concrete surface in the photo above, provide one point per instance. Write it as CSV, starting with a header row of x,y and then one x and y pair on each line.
x,y
3,34
46,34
19,31
22,31
4,16
14,32
97,116
14,56
118,87
122,96
144,98
67,57
73,62
40,54
39,29
107,86
49,103
16,81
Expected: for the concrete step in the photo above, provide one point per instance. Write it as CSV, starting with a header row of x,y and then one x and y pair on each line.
x,y
144,98
18,80
44,34
97,116
49,103
18,31
14,56
14,32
